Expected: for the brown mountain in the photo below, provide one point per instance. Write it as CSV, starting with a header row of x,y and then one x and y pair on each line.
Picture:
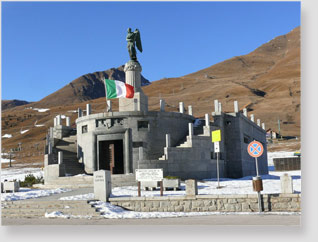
x,y
6,104
84,88
266,81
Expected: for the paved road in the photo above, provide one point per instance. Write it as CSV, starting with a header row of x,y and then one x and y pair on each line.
x,y
287,220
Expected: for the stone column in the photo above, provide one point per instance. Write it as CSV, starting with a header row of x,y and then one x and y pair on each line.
x,y
55,121
60,157
168,140
162,105
109,106
236,108
141,153
181,107
207,120
132,71
190,112
88,109
190,130
216,106
245,112
68,121
80,113
220,108
252,117
258,122
59,120
263,126
127,164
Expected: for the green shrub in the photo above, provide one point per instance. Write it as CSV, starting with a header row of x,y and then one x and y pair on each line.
x,y
171,177
30,180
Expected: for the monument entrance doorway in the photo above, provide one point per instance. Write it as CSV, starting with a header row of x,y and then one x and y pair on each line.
x,y
111,156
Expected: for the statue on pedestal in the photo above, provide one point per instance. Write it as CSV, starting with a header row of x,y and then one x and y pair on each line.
x,y
133,39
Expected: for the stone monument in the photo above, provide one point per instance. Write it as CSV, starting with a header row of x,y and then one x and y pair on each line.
x,y
102,185
132,71
286,182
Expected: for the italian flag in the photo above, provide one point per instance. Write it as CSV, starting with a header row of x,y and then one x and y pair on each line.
x,y
116,89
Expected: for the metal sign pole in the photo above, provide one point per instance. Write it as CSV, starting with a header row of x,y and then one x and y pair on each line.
x,y
10,159
256,166
217,168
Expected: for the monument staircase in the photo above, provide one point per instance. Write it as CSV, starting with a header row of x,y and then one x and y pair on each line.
x,y
35,208
186,142
68,146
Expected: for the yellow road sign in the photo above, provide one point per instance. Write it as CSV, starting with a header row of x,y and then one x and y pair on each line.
x,y
216,136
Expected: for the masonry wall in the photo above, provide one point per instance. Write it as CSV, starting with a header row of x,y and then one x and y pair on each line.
x,y
239,131
190,162
151,137
211,203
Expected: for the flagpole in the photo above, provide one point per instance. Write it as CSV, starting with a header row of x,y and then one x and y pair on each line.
x,y
104,80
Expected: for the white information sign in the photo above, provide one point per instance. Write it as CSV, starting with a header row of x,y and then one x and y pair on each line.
x,y
149,174
216,147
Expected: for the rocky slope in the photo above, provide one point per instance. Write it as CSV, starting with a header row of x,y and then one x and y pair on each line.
x,y
84,88
6,104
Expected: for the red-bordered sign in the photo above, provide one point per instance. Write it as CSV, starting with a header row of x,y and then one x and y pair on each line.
x,y
255,149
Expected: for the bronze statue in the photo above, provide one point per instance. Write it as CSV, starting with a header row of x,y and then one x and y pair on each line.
x,y
132,39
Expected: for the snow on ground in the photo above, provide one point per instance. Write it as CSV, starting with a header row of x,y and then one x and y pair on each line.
x,y
4,160
39,125
11,174
24,131
7,136
27,193
41,110
72,111
278,154
271,185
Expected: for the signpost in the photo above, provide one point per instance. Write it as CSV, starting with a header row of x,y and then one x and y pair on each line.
x,y
216,138
149,175
255,149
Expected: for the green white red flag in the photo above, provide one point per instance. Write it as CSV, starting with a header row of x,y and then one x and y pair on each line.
x,y
117,89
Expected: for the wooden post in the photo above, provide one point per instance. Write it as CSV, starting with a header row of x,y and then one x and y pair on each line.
x,y
139,191
161,188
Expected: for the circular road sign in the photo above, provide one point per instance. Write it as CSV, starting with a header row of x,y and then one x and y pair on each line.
x,y
255,149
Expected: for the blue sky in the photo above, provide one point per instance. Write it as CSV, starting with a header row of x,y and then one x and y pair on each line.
x,y
46,45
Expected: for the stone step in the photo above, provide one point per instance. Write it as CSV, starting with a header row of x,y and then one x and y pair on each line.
x,y
33,208
162,157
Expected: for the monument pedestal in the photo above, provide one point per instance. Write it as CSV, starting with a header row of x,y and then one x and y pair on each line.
x,y
140,101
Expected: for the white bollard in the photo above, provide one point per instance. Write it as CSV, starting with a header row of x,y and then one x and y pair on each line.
x,y
252,117
181,107
162,105
258,122
236,108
